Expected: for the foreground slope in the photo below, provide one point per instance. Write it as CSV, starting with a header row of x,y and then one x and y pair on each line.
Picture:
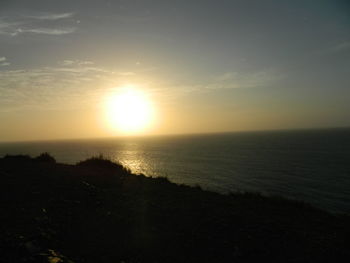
x,y
97,211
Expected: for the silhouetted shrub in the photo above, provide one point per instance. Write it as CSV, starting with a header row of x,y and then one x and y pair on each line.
x,y
45,158
102,162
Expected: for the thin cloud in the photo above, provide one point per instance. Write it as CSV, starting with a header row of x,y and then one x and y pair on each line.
x,y
76,84
48,31
68,62
341,47
8,28
4,62
85,62
14,26
334,49
52,16
127,73
231,80
52,87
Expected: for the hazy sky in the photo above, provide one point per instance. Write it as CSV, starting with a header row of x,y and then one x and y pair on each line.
x,y
207,65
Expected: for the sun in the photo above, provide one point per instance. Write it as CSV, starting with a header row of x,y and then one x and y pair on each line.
x,y
129,111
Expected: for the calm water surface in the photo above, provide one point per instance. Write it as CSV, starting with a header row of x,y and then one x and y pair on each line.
x,y
313,166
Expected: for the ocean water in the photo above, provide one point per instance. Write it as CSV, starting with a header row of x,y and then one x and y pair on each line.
x,y
308,165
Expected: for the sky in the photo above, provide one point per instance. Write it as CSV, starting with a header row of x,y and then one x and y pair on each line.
x,y
206,66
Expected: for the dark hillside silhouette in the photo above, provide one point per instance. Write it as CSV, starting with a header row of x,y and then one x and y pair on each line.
x,y
97,211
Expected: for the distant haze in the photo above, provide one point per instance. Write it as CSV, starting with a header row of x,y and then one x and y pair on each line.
x,y
206,66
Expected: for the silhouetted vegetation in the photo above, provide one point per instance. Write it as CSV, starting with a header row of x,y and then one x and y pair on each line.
x,y
97,211
103,163
46,158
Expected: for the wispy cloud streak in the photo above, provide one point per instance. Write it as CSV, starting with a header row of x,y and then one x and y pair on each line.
x,y
52,16
234,80
14,26
75,84
48,31
341,47
4,62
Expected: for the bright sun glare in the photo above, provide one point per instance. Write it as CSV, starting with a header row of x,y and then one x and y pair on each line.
x,y
129,111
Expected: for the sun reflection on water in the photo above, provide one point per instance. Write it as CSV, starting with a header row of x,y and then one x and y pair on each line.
x,y
133,159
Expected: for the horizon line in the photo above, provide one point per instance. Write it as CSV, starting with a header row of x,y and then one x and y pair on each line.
x,y
174,134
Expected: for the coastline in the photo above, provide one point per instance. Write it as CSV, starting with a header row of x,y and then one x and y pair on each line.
x,y
98,211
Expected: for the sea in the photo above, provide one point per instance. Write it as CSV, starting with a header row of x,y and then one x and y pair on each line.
x,y
308,165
